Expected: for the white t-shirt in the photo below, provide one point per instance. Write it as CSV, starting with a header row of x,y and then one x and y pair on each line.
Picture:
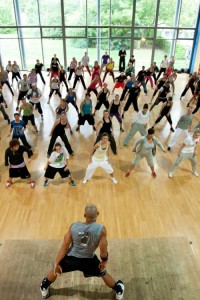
x,y
85,60
34,95
58,159
140,118
164,63
190,144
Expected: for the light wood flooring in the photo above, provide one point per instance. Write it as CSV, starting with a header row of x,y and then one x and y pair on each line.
x,y
137,207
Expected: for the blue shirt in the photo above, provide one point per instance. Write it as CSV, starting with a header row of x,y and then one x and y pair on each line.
x,y
17,127
105,59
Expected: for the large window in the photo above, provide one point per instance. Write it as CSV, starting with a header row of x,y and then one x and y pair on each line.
x,y
148,29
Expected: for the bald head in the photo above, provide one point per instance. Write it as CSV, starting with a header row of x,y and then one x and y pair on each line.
x,y
91,212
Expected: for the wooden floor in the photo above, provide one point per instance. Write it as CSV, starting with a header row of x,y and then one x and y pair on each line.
x,y
152,269
137,207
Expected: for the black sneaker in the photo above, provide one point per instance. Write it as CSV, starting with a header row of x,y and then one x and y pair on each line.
x,y
172,129
123,116
31,152
8,121
169,148
119,295
17,107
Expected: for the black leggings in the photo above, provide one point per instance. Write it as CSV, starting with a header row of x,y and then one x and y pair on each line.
x,y
168,117
187,88
23,139
111,73
15,75
129,102
38,107
92,90
8,84
82,80
100,102
55,90
41,76
71,71
74,104
162,70
65,141
124,92
111,140
198,105
87,117
65,83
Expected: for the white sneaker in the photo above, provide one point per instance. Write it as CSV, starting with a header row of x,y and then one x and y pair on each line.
x,y
114,180
84,180
170,175
195,173
120,296
45,293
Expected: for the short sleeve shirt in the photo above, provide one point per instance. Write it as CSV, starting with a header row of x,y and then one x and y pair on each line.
x,y
58,159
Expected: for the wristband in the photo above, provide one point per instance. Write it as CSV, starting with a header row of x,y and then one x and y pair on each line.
x,y
104,259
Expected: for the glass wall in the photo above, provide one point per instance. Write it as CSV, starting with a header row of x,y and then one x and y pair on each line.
x,y
148,29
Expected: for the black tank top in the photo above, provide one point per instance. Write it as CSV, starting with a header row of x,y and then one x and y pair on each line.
x,y
161,83
106,127
114,108
165,110
103,95
165,91
62,75
59,130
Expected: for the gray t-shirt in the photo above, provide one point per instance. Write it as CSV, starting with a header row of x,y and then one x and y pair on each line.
x,y
85,239
185,121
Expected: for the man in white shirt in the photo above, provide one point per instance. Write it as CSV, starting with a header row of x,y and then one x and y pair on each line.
x,y
139,124
85,62
23,86
188,151
163,66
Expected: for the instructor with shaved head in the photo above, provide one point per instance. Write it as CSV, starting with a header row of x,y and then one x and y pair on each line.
x,y
77,253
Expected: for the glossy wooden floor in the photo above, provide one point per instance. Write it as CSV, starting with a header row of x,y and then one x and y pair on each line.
x,y
136,207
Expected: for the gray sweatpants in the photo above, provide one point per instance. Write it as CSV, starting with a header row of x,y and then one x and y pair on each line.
x,y
139,156
135,127
183,156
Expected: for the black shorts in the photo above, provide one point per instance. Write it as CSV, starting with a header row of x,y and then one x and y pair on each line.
x,y
51,172
89,266
22,94
27,118
19,172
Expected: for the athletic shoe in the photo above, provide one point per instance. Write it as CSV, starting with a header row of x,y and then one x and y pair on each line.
x,y
37,132
121,129
42,118
71,132
17,108
73,183
84,180
119,296
153,174
8,121
114,180
8,183
127,174
195,173
45,292
78,128
32,183
94,128
172,129
169,148
46,183
72,154
170,175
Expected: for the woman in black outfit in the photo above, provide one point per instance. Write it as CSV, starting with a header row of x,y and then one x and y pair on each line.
x,y
102,98
165,112
105,125
62,77
58,130
38,70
